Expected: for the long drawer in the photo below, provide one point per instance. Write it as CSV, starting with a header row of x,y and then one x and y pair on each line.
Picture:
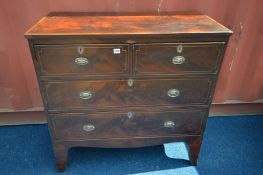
x,y
177,58
130,124
91,59
66,95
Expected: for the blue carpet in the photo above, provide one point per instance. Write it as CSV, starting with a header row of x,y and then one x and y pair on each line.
x,y
231,145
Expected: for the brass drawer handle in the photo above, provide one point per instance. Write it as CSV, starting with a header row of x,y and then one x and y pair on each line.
x,y
178,60
88,127
173,93
81,61
85,95
168,124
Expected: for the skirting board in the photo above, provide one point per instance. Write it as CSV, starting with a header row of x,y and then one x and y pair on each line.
x,y
38,117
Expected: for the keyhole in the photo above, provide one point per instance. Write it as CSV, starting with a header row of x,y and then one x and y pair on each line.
x,y
80,50
180,48
129,115
130,82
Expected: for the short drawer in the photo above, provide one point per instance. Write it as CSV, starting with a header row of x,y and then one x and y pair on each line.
x,y
97,59
178,58
122,93
130,124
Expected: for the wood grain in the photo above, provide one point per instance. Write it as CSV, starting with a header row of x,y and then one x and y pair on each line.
x,y
131,97
117,93
157,58
120,125
20,91
60,59
124,25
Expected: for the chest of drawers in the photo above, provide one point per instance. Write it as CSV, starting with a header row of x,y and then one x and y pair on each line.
x,y
126,80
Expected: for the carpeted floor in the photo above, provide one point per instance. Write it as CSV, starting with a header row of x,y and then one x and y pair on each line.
x,y
231,145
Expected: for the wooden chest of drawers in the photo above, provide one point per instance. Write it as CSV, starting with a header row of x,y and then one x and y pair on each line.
x,y
126,80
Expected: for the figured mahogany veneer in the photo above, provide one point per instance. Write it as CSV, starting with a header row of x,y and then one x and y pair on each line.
x,y
104,24
125,80
59,59
119,125
157,58
117,93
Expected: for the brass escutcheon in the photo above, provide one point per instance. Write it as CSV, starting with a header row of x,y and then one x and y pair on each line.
x,y
180,48
129,115
130,82
80,50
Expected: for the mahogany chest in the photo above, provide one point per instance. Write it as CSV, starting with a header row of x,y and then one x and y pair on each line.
x,y
126,80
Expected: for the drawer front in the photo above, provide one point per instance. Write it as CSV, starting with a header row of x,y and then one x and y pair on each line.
x,y
105,59
177,58
118,93
130,124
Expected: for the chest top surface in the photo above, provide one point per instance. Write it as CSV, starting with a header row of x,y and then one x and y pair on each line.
x,y
74,24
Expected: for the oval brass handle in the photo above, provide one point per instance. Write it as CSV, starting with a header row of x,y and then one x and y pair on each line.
x,y
173,93
88,127
168,124
85,95
81,61
178,60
